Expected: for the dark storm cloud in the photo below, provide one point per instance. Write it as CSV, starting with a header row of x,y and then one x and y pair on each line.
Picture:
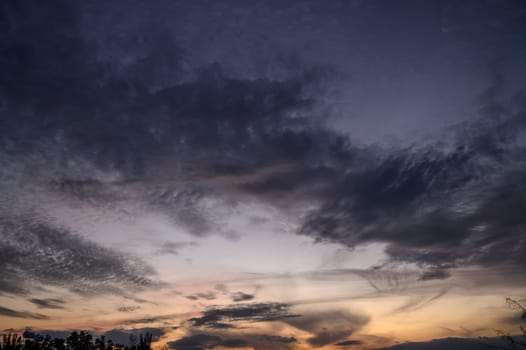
x,y
448,204
33,252
223,317
279,339
50,303
166,146
212,111
80,104
6,312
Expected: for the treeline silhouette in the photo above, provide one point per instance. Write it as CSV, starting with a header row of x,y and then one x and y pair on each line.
x,y
82,340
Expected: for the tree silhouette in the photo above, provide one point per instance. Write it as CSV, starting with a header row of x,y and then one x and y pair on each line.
x,y
145,343
514,342
82,340
11,342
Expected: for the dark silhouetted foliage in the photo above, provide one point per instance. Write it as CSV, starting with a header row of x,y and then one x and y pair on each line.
x,y
82,340
11,342
514,342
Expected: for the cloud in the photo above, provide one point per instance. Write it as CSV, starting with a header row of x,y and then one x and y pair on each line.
x,y
6,312
128,308
349,343
223,317
173,248
33,252
328,326
103,130
325,327
434,274
146,320
221,287
240,296
201,341
280,339
442,205
204,296
50,303
417,302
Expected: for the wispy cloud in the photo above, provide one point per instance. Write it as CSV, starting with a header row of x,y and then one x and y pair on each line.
x,y
240,296
227,317
49,303
6,312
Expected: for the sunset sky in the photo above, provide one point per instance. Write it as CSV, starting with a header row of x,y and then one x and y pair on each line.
x,y
263,174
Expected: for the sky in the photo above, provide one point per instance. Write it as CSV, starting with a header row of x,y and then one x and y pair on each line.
x,y
270,174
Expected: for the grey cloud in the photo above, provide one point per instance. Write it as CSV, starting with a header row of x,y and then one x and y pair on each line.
x,y
439,206
36,252
211,111
349,343
329,326
204,296
6,312
221,287
417,302
240,296
146,320
434,274
279,339
223,317
128,308
201,341
180,131
173,248
50,303
385,279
